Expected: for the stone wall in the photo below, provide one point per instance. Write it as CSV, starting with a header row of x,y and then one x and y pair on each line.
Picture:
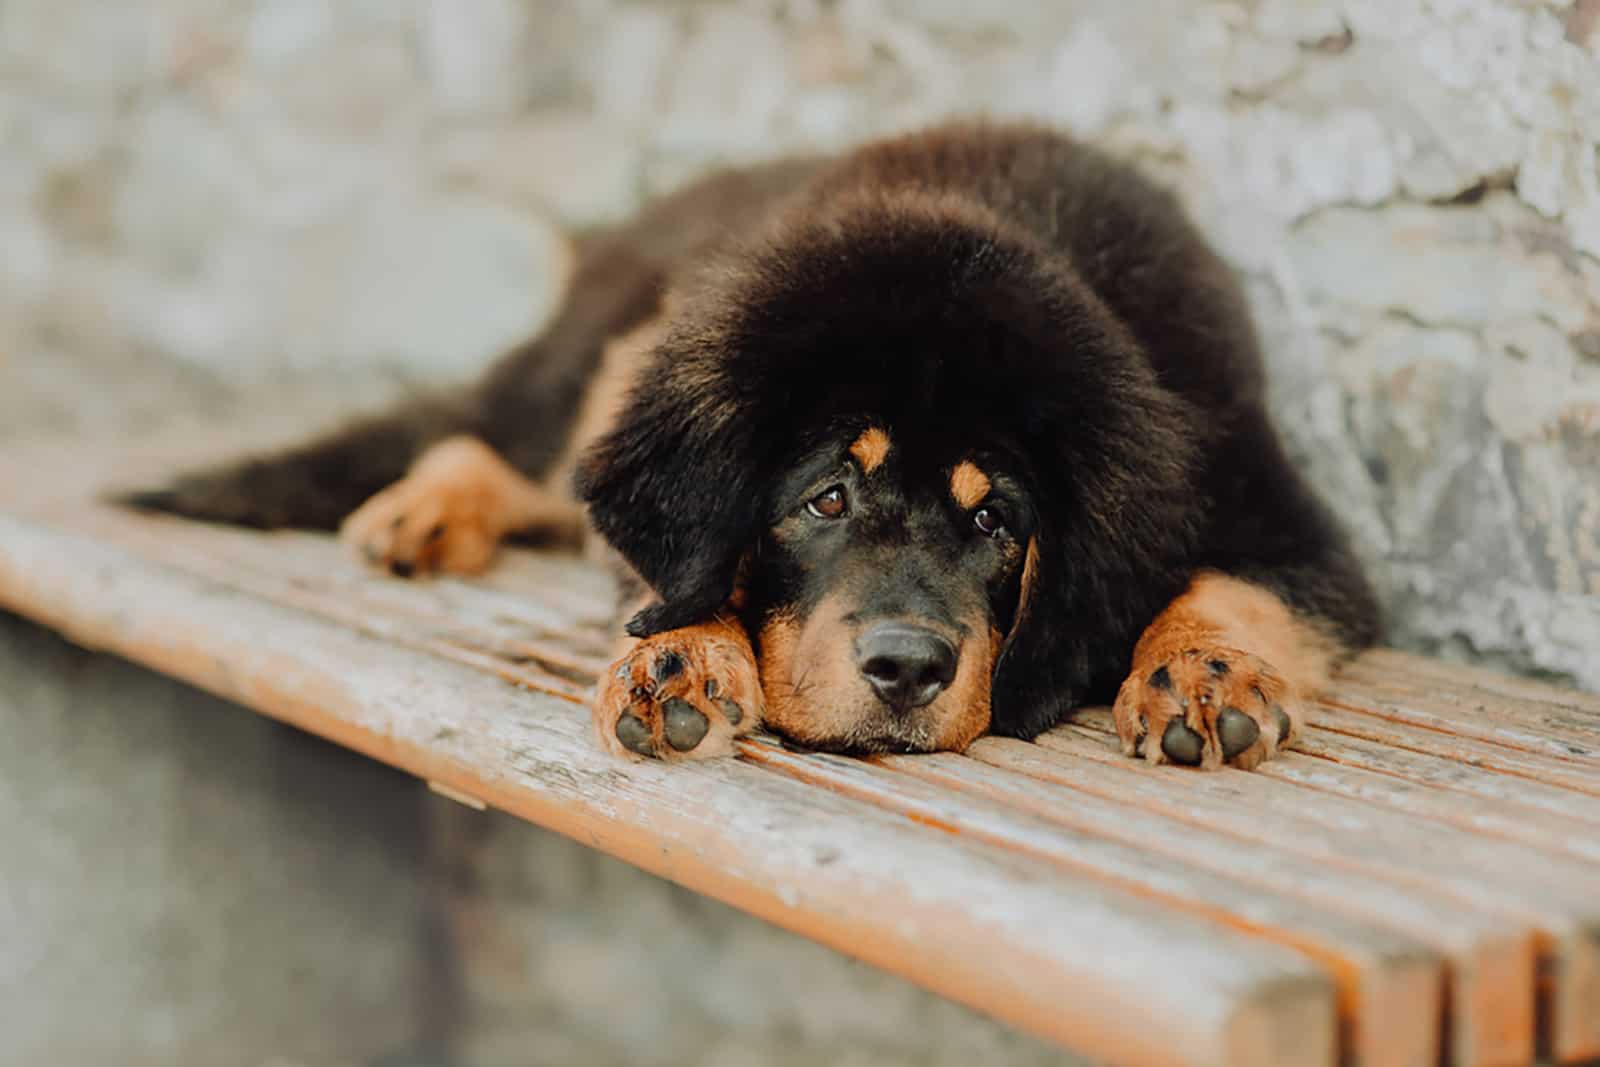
x,y
1409,187
208,202
310,188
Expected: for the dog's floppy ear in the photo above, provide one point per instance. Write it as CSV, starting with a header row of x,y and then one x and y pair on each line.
x,y
1117,521
675,487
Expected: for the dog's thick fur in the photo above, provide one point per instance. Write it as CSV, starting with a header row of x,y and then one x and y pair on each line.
x,y
1004,309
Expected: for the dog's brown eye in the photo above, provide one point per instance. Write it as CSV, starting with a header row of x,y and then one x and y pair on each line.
x,y
829,504
988,521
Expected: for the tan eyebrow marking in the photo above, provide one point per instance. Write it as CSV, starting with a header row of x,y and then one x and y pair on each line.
x,y
968,484
871,449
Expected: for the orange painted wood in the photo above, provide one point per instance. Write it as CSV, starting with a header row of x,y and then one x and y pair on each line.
x,y
1557,898
1491,957
1391,986
1419,884
1121,979
1518,793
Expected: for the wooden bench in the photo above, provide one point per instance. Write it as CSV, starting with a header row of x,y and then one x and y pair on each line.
x,y
1419,884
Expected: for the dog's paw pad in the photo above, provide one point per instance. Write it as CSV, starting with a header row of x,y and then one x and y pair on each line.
x,y
1204,707
683,694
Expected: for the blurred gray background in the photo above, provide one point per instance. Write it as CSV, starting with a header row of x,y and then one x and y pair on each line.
x,y
224,205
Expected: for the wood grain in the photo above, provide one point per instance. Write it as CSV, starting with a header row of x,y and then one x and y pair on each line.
x,y
1391,985
1557,898
1394,781
1419,883
1118,978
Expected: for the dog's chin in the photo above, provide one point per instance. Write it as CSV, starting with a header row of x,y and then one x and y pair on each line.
x,y
877,730
877,739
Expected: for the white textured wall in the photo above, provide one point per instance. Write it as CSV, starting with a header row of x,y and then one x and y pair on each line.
x,y
1409,186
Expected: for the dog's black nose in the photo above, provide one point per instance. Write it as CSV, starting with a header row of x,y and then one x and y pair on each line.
x,y
907,665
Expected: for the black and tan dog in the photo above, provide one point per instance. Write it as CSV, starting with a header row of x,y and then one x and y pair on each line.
x,y
948,435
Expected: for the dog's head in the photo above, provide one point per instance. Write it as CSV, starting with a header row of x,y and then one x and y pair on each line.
x,y
936,469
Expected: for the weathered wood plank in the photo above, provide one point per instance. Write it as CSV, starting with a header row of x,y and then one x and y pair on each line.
x,y
1491,986
1442,815
1566,733
1515,792
1121,979
1391,986
1384,664
1532,766
1558,898
1490,959
1496,816
312,574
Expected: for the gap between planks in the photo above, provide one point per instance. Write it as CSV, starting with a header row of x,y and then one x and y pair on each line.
x,y
1053,952
1555,897
461,646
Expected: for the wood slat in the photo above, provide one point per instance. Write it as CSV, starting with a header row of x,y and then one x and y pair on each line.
x,y
1490,960
1463,750
1388,663
1494,816
1119,978
1419,883
1515,792
1557,898
417,615
1391,986
1562,732
1491,987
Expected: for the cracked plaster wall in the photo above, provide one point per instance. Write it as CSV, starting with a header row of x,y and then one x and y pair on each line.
x,y
310,189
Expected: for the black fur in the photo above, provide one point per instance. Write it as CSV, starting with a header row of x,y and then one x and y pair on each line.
x,y
1010,288
994,287
315,485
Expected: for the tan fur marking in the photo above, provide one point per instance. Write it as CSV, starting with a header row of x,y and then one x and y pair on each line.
x,y
810,694
1030,578
450,512
969,485
970,692
778,642
1248,617
871,449
1224,643
603,401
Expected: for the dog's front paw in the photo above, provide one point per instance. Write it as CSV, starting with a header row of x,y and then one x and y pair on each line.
x,y
682,694
1204,705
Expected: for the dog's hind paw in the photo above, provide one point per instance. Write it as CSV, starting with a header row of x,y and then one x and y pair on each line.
x,y
451,512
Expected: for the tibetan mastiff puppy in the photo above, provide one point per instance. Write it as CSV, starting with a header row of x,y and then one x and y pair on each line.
x,y
945,436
